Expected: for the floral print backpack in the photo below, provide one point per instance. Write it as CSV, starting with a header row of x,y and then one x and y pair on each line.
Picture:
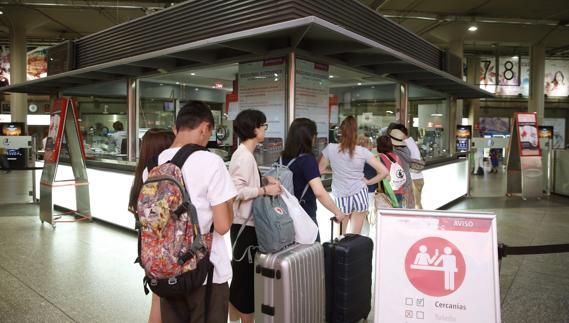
x,y
172,250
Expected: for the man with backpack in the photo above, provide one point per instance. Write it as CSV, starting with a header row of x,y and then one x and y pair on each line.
x,y
211,193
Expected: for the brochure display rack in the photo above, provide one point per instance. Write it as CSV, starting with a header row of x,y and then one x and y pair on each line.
x,y
525,170
64,134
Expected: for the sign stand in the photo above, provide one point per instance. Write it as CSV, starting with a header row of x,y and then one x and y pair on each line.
x,y
64,126
524,165
436,266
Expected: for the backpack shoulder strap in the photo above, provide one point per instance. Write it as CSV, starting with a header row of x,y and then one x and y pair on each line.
x,y
294,159
180,157
385,159
303,193
394,158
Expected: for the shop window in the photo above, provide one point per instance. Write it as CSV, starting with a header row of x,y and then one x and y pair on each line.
x,y
103,116
162,96
429,113
369,98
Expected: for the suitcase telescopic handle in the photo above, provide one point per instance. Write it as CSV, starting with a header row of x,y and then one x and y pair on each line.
x,y
332,220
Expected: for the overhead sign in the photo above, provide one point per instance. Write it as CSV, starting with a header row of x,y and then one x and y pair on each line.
x,y
436,267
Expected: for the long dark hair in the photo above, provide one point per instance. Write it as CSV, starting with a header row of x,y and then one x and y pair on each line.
x,y
300,138
154,142
349,131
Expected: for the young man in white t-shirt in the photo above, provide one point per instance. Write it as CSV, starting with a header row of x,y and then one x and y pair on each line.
x,y
212,192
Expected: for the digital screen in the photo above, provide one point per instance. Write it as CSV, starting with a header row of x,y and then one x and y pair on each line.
x,y
12,129
169,107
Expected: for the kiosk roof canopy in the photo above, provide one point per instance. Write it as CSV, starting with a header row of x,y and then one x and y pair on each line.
x,y
310,37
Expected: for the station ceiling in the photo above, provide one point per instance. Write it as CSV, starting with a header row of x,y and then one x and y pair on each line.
x,y
504,25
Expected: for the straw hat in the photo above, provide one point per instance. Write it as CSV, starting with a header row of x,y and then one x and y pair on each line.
x,y
397,137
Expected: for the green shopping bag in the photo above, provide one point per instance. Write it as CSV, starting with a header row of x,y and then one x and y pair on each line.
x,y
389,193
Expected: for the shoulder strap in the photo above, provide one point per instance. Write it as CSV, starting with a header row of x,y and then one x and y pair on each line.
x,y
303,193
394,158
180,157
385,159
294,159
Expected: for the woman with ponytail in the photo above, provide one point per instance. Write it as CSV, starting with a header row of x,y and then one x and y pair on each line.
x,y
349,186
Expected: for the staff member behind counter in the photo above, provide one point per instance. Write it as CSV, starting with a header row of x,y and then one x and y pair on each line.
x,y
118,137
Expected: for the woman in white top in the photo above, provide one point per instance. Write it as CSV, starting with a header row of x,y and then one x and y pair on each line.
x,y
349,185
250,126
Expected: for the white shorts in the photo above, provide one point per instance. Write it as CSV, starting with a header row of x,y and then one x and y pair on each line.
x,y
358,202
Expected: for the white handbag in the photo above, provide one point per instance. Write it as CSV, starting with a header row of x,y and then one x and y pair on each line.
x,y
306,231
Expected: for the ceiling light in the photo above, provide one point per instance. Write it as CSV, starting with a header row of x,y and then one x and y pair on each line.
x,y
473,28
177,83
192,74
1,12
331,76
359,83
515,57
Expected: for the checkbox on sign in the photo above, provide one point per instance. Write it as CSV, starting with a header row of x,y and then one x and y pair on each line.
x,y
408,314
421,302
408,301
420,315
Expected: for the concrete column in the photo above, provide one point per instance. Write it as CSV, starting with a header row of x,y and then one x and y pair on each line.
x,y
473,78
456,47
536,102
18,73
133,102
402,104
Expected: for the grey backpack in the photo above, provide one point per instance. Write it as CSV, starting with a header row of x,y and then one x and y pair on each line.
x,y
273,225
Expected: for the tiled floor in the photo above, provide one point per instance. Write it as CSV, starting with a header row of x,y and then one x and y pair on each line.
x,y
84,272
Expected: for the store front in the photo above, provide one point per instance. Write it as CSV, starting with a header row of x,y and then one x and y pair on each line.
x,y
302,67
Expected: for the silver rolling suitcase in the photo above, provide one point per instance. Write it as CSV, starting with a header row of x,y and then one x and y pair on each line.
x,y
289,285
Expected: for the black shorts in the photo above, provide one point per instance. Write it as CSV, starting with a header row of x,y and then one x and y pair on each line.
x,y
242,287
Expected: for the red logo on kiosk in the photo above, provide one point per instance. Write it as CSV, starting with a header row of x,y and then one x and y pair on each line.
x,y
435,266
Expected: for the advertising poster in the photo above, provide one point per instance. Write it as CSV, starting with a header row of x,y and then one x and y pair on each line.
x,y
262,86
463,136
312,94
37,63
511,76
55,133
494,125
436,267
558,125
556,83
4,66
527,134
